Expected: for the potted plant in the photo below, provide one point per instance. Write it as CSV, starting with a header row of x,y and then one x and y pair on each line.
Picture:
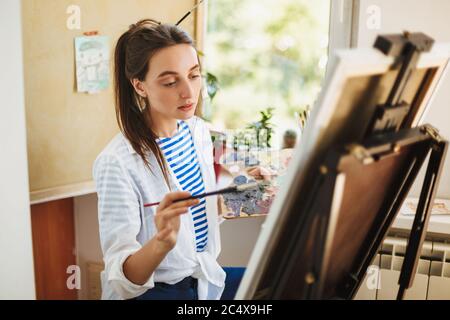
x,y
263,128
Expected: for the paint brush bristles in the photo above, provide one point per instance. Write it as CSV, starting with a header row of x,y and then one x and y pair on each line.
x,y
246,186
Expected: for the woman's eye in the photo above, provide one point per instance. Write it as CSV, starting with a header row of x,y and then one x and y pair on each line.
x,y
195,76
170,84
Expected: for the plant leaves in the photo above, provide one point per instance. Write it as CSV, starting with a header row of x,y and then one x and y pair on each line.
x,y
212,85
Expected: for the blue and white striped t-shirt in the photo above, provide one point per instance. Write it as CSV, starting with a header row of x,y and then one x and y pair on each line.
x,y
180,155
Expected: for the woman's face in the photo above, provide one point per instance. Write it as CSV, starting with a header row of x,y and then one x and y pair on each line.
x,y
173,82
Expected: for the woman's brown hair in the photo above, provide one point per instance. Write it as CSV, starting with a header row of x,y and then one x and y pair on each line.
x,y
133,52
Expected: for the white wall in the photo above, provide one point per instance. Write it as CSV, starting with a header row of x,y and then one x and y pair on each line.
x,y
431,17
16,258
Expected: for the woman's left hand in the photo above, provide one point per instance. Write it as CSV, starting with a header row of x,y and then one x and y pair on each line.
x,y
263,173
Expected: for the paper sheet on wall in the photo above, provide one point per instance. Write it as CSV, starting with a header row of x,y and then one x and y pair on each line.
x,y
92,63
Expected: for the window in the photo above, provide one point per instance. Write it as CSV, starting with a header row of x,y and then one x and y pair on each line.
x,y
265,53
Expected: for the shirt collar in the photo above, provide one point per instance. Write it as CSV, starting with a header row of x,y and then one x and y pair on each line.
x,y
130,147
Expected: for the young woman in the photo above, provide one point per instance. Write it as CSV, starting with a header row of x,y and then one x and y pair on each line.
x,y
164,152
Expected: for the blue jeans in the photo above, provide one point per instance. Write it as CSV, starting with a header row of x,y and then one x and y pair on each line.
x,y
186,289
232,281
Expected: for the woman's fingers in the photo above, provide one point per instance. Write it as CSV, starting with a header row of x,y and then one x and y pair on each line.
x,y
262,173
253,170
165,225
171,197
172,213
268,173
184,203
169,209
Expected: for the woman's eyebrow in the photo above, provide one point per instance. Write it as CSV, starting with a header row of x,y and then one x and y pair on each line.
x,y
194,67
165,73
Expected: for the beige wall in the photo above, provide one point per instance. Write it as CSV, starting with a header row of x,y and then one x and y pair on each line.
x,y
66,130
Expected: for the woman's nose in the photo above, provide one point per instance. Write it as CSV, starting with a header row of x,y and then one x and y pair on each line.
x,y
186,90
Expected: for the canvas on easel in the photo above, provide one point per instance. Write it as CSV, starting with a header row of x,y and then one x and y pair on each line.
x,y
361,151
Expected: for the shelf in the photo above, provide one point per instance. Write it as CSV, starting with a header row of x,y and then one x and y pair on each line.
x,y
62,192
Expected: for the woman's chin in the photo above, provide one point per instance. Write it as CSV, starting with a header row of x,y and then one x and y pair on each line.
x,y
185,114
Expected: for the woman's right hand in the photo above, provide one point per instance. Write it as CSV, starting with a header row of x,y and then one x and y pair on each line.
x,y
167,217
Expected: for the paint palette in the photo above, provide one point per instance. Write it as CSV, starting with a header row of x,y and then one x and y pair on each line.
x,y
254,202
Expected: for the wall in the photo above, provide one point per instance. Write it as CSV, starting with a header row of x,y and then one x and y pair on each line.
x,y
432,18
16,259
87,238
66,129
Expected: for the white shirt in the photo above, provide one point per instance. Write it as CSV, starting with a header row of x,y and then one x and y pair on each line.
x,y
124,184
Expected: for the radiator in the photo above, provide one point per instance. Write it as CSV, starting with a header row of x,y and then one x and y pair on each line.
x,y
431,282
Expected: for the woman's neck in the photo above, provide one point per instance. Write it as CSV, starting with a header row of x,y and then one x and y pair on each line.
x,y
162,126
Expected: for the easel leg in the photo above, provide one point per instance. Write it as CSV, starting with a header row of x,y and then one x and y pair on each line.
x,y
422,217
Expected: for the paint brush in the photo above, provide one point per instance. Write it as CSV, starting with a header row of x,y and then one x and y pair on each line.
x,y
188,13
236,188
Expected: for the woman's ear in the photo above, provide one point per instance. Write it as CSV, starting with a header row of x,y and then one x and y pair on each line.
x,y
139,87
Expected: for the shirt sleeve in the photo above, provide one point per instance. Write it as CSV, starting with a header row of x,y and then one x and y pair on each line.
x,y
119,222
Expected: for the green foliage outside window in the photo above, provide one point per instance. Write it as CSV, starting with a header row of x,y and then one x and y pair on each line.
x,y
265,53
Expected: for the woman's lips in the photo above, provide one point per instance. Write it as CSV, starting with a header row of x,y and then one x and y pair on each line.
x,y
186,107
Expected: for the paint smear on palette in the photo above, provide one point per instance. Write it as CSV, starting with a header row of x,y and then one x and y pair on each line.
x,y
254,202
250,202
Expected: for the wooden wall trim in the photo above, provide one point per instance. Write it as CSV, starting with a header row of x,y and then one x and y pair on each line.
x,y
62,192
53,233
